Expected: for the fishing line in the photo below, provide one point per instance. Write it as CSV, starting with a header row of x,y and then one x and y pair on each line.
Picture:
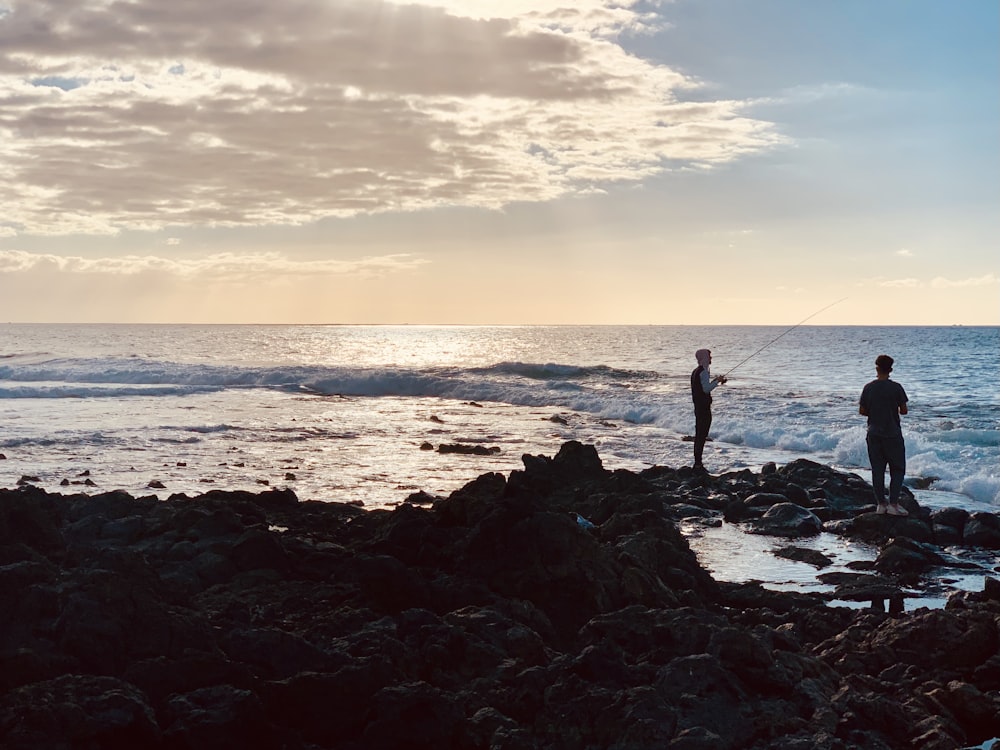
x,y
782,334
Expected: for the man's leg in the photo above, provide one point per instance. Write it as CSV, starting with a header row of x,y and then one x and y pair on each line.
x,y
877,460
702,424
895,454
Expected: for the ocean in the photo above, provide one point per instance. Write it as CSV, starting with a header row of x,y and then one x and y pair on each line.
x,y
357,413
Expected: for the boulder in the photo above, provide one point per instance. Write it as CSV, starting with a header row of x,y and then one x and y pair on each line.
x,y
954,517
468,450
30,517
787,520
811,556
878,528
256,549
982,530
473,502
764,499
907,558
862,587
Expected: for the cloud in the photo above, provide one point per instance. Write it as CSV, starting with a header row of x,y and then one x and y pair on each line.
x,y
902,283
221,266
821,92
904,253
939,282
942,283
133,115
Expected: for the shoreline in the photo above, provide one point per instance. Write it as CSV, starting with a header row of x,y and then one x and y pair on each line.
x,y
558,606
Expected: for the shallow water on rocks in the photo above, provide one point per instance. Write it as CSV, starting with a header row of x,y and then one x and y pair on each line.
x,y
733,555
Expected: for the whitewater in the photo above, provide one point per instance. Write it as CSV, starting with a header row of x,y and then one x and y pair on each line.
x,y
357,413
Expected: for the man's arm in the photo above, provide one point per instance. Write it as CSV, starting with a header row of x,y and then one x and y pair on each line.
x,y
903,409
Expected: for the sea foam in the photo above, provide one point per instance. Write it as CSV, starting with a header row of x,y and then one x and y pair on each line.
x,y
626,389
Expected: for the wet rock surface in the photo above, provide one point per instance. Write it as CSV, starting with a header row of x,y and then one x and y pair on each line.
x,y
491,618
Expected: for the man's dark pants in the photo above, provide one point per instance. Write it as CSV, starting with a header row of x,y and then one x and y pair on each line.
x,y
702,424
883,451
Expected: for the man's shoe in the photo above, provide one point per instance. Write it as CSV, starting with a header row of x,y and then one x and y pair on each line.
x,y
896,510
882,509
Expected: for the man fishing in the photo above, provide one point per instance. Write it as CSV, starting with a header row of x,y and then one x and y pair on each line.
x,y
882,401
702,385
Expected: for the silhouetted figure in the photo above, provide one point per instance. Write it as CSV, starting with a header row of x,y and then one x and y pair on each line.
x,y
702,385
882,401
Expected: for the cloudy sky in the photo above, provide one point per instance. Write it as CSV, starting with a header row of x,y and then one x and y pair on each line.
x,y
500,161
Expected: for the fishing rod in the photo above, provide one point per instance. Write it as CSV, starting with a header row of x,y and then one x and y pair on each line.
x,y
723,377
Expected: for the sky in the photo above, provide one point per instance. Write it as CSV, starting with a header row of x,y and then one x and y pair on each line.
x,y
500,162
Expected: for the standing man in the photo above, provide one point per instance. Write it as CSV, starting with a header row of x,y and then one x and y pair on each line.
x,y
882,401
702,385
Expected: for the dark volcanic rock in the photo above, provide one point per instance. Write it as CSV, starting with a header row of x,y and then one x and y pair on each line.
x,y
491,619
862,587
844,494
907,558
765,499
811,556
982,530
876,528
78,711
789,520
469,450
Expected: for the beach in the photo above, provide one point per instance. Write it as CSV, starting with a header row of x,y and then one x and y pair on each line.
x,y
557,606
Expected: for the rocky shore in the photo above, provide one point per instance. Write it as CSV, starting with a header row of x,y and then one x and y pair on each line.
x,y
558,607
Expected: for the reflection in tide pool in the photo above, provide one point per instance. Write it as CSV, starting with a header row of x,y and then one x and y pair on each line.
x,y
733,555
